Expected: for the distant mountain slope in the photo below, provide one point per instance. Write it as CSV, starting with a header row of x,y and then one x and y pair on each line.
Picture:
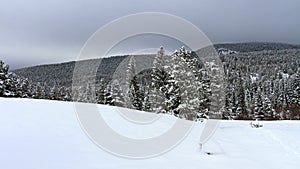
x,y
256,46
61,74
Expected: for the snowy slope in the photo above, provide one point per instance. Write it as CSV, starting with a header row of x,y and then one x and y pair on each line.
x,y
40,134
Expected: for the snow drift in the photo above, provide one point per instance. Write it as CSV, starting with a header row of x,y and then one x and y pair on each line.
x,y
46,134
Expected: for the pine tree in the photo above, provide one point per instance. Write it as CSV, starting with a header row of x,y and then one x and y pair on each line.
x,y
25,88
183,85
64,94
2,78
204,93
217,96
38,92
172,94
54,93
281,100
258,105
100,94
47,91
159,77
241,100
268,109
295,90
89,94
134,96
108,99
117,94
11,85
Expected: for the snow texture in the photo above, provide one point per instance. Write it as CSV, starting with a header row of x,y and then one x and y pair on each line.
x,y
44,134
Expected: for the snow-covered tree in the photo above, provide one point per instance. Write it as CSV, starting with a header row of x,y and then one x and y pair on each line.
x,y
11,85
268,109
241,99
38,92
90,96
183,85
108,99
146,101
47,91
159,77
117,94
100,93
216,78
25,88
258,105
64,94
54,93
134,97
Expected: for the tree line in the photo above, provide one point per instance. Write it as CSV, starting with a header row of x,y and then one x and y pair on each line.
x,y
254,85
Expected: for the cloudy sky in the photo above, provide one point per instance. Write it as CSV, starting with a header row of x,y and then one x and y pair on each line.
x,y
37,32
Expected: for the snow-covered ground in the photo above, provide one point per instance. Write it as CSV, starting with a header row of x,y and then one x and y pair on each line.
x,y
40,134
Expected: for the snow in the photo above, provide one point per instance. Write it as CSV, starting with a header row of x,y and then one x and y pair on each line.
x,y
45,134
254,77
285,75
224,51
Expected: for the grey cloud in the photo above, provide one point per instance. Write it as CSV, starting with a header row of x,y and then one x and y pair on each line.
x,y
56,30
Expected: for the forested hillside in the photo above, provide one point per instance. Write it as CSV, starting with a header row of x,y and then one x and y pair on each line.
x,y
259,81
263,85
256,46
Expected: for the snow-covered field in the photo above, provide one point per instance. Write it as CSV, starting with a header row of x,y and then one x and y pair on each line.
x,y
40,134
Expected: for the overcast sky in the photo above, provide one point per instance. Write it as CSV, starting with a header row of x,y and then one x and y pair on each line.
x,y
37,32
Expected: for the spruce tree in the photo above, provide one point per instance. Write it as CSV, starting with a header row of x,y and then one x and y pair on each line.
x,y
89,94
159,77
100,94
241,100
11,85
268,109
25,88
117,94
54,93
216,86
38,92
183,85
258,105
134,96
108,99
